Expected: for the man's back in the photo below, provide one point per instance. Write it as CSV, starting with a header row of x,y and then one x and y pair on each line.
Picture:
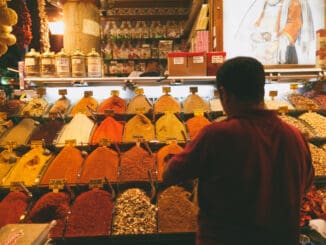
x,y
255,173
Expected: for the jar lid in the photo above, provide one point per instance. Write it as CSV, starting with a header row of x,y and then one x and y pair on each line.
x,y
62,53
32,53
93,53
78,52
47,54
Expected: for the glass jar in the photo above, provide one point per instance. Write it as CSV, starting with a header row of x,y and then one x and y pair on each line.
x,y
62,62
94,64
78,67
32,63
47,64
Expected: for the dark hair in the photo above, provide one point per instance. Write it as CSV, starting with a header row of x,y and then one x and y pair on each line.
x,y
244,77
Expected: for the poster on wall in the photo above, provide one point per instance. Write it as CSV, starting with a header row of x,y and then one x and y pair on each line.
x,y
273,31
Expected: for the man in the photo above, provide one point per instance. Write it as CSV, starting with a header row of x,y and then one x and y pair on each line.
x,y
253,168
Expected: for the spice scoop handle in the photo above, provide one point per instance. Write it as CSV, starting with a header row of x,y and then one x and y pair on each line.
x,y
113,195
153,189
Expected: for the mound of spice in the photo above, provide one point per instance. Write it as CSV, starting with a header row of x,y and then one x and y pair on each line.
x,y
134,213
138,125
47,131
60,106
110,129
162,153
83,105
91,214
166,103
79,128
7,161
300,102
194,102
135,164
195,124
28,167
115,103
10,107
19,133
316,121
51,206
318,160
139,102
275,104
100,163
305,129
35,107
176,213
64,166
12,207
169,126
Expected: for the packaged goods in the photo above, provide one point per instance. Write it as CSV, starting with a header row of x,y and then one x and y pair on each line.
x,y
84,105
176,213
214,62
110,129
135,164
166,103
194,102
318,160
47,131
139,103
12,207
195,124
177,63
102,162
114,103
172,148
51,206
64,166
79,129
85,219
305,129
169,126
138,126
20,133
301,102
316,121
197,64
134,213
28,167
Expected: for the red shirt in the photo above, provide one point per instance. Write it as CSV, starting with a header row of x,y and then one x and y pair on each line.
x,y
253,170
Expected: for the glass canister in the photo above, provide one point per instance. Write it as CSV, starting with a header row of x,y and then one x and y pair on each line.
x,y
78,66
94,64
47,64
32,63
62,62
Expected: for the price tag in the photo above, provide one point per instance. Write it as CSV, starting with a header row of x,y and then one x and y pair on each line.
x,y
198,112
36,143
294,86
115,92
41,91
16,186
168,111
283,109
104,142
273,93
62,91
109,112
166,89
95,184
71,142
88,93
139,91
193,90
56,184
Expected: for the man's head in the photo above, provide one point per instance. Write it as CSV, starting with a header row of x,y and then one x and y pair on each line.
x,y
243,79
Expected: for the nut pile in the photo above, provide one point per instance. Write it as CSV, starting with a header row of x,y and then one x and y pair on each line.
x,y
275,104
316,121
306,130
134,213
318,160
300,102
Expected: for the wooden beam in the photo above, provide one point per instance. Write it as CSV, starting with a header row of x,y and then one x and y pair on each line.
x,y
193,13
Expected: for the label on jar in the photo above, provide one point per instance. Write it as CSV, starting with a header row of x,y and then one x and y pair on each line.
x,y
62,65
95,183
94,66
78,67
47,61
198,59
29,61
217,59
178,60
76,61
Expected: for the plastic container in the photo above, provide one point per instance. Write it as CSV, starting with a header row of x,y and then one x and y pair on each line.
x,y
214,62
177,63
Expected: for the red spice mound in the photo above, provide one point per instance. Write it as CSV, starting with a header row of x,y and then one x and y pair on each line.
x,y
12,207
100,163
51,206
91,214
65,166
135,164
115,103
110,129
